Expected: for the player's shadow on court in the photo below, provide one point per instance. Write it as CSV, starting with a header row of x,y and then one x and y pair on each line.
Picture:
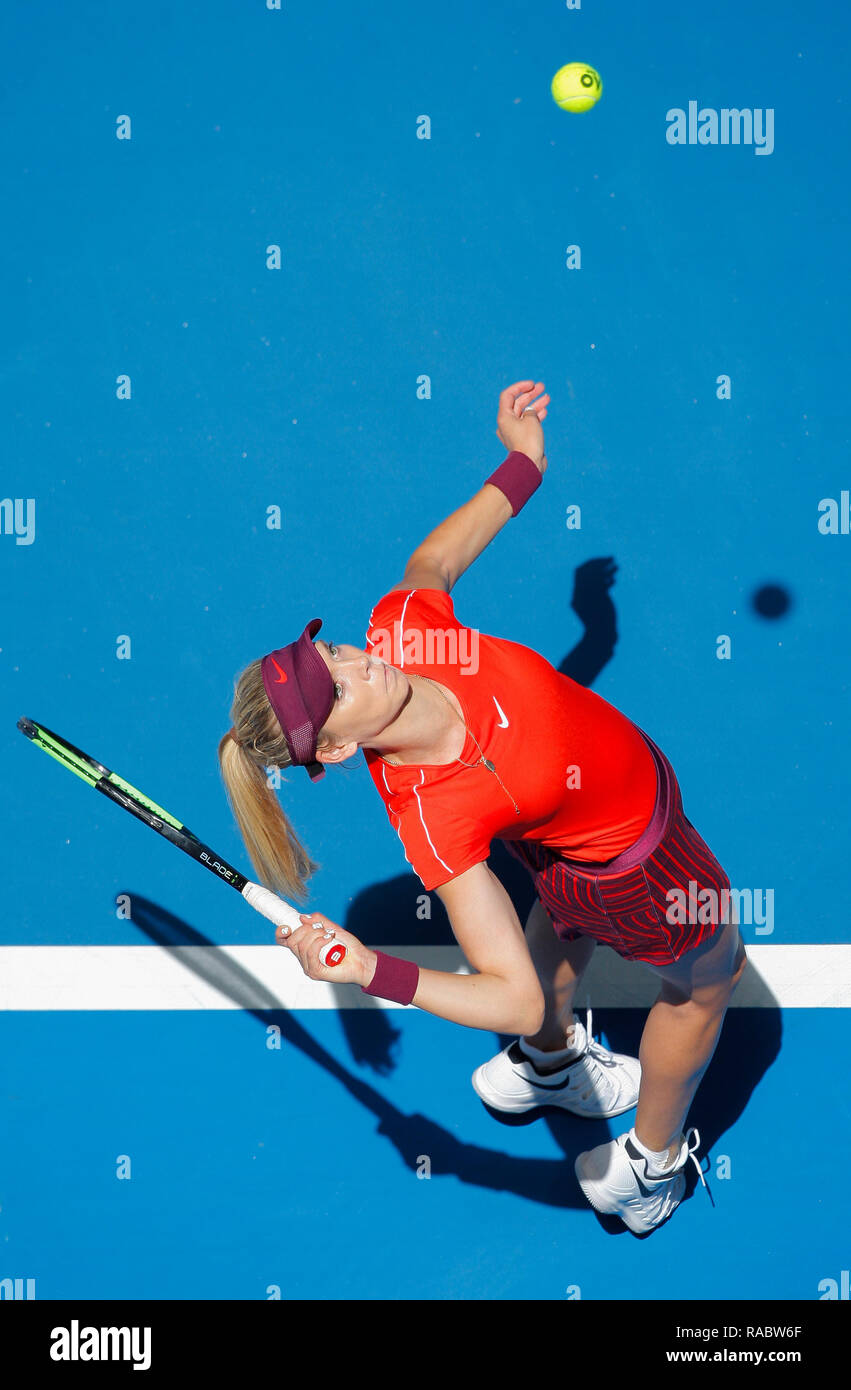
x,y
412,1135
394,914
738,1065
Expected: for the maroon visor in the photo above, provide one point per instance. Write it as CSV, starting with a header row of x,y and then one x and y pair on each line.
x,y
301,692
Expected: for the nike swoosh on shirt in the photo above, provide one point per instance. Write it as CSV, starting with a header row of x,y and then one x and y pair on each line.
x,y
282,675
503,724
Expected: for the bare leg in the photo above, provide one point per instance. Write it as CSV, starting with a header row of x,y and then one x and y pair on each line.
x,y
560,966
681,1034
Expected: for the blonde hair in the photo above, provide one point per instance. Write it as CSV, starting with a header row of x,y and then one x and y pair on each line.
x,y
280,859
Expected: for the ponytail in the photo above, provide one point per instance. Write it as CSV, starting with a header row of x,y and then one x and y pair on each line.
x,y
280,859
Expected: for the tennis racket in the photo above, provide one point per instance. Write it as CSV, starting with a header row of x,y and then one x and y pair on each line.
x,y
144,809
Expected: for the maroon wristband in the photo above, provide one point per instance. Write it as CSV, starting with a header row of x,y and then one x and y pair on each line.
x,y
394,979
518,478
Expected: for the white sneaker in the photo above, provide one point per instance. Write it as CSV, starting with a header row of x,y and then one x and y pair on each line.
x,y
614,1179
596,1083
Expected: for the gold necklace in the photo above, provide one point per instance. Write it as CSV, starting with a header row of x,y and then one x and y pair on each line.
x,y
482,759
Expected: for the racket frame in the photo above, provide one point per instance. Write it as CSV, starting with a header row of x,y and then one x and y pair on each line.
x,y
124,794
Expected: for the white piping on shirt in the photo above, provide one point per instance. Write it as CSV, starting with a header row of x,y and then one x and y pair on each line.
x,y
425,827
402,633
399,818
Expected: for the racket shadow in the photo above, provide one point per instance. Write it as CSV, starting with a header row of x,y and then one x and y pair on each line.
x,y
749,1041
545,1181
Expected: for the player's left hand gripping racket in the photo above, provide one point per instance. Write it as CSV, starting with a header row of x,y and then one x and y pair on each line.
x,y
141,806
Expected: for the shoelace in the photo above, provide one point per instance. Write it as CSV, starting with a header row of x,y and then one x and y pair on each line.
x,y
604,1058
596,1051
691,1155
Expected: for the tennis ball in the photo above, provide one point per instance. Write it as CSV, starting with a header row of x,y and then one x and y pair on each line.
x,y
576,87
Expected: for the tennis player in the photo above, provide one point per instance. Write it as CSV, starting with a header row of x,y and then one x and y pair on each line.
x,y
470,738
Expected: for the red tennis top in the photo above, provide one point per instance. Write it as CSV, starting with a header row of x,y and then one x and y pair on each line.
x,y
580,772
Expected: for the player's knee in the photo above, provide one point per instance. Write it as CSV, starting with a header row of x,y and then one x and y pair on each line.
x,y
718,996
534,1015
705,1001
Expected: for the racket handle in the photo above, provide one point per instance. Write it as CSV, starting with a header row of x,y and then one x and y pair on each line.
x,y
283,915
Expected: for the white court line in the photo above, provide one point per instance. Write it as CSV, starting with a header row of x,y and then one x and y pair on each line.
x,y
151,977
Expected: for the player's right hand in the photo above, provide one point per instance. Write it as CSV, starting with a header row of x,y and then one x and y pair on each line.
x,y
307,941
520,431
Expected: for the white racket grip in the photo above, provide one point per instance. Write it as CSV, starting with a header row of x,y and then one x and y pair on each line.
x,y
283,915
271,906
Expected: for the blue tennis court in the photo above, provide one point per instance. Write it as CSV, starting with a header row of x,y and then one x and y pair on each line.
x,y
266,272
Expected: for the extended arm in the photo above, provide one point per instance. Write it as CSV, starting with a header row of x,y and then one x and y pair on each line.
x,y
449,550
505,994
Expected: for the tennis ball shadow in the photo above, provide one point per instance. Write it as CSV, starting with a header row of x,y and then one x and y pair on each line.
x,y
771,601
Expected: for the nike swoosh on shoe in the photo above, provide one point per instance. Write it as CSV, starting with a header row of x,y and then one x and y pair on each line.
x,y
517,1056
634,1154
